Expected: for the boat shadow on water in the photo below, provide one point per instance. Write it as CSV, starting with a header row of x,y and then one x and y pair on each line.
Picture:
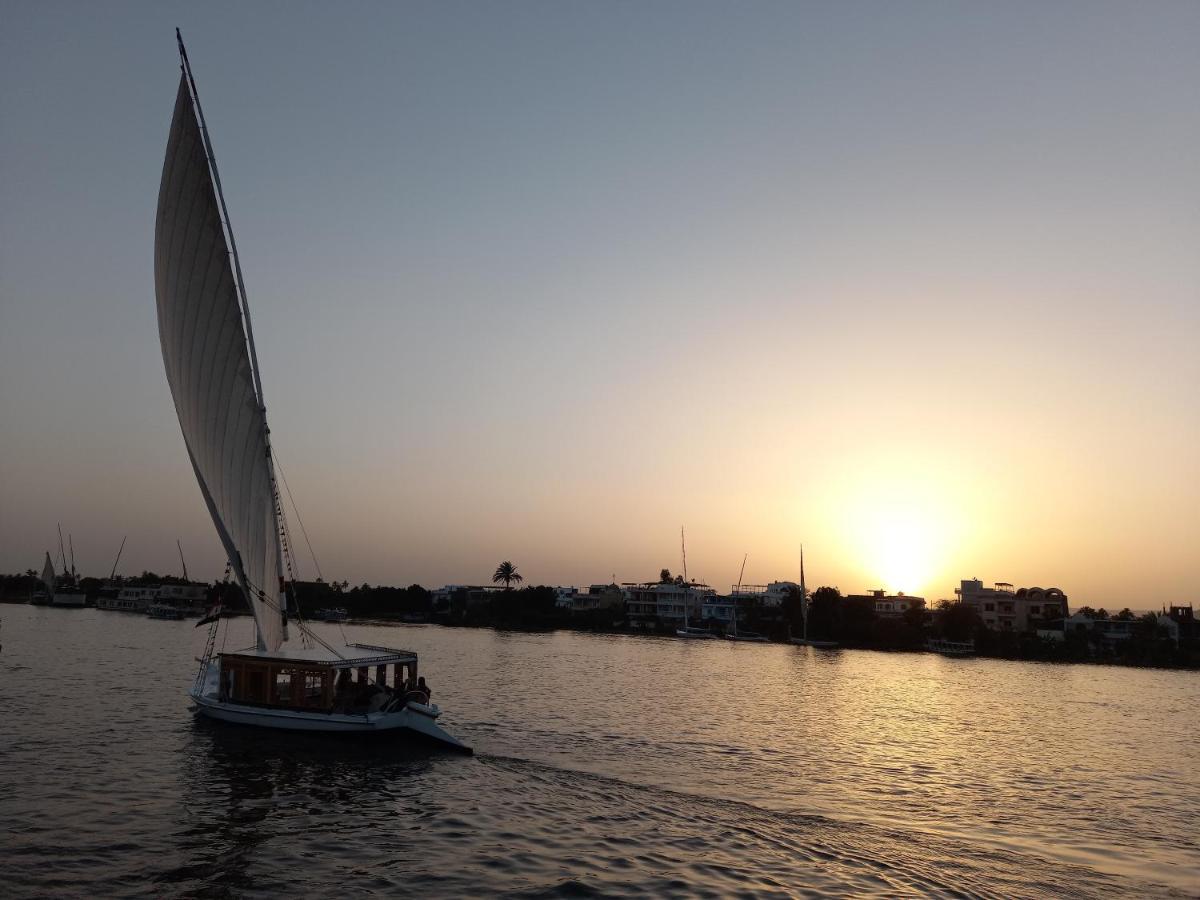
x,y
260,799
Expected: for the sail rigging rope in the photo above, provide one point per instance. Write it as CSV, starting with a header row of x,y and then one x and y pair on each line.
x,y
296,510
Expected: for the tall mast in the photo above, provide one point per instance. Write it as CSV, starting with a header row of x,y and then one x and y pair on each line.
x,y
683,550
62,551
803,595
71,545
181,562
113,573
738,591
186,66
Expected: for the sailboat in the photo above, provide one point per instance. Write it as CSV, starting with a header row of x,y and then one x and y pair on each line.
x,y
804,614
212,369
44,595
688,630
65,591
733,634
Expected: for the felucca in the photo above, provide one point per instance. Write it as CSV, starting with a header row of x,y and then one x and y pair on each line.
x,y
804,604
212,368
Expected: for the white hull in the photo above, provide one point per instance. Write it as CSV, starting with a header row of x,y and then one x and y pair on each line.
x,y
695,635
828,645
757,639
69,599
414,718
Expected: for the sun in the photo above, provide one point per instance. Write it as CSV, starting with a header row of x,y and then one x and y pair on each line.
x,y
898,542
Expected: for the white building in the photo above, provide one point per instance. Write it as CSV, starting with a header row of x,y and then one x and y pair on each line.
x,y
666,601
1004,609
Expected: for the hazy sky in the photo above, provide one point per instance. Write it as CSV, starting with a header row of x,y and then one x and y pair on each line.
x,y
915,284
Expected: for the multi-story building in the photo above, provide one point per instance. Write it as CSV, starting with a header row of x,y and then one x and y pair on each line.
x,y
596,596
1004,608
666,601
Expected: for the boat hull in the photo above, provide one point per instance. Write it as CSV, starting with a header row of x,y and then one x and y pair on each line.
x,y
413,720
71,599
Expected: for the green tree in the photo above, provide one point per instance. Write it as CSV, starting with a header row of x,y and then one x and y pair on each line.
x,y
507,573
664,577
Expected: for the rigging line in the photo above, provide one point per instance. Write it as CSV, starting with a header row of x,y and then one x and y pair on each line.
x,y
296,510
289,558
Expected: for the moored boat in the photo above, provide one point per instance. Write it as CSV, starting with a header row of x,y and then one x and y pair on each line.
x,y
805,640
129,599
335,614
951,648
751,636
167,611
212,368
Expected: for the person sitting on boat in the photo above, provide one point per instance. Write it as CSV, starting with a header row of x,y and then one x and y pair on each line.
x,y
417,692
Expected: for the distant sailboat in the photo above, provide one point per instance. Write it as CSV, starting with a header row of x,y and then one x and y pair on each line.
x,y
688,631
65,590
804,613
212,368
733,634
46,596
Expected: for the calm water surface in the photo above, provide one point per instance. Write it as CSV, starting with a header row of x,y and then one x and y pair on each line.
x,y
605,766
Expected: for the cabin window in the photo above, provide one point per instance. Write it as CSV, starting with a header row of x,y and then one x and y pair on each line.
x,y
313,685
283,687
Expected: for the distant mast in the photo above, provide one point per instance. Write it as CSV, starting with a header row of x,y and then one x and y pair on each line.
x,y
113,573
683,551
803,595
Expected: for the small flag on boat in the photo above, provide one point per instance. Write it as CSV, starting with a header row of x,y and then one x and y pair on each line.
x,y
211,616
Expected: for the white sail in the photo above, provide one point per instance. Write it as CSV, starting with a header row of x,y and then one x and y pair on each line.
x,y
208,366
48,577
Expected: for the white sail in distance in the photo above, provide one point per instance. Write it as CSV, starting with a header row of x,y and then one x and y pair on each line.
x,y
48,577
204,346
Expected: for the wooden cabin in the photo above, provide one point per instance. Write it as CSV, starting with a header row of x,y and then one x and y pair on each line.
x,y
313,678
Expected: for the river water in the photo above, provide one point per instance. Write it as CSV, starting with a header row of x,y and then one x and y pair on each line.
x,y
604,766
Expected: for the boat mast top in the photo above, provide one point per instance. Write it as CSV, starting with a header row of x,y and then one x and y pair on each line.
x,y
113,573
186,67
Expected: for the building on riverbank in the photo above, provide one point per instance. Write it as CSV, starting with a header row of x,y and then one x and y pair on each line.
x,y
461,597
649,602
888,606
1005,608
594,597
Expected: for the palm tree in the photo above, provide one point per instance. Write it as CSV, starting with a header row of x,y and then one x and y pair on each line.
x,y
507,573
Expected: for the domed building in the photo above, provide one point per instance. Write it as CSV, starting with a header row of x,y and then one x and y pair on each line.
x,y
1004,608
